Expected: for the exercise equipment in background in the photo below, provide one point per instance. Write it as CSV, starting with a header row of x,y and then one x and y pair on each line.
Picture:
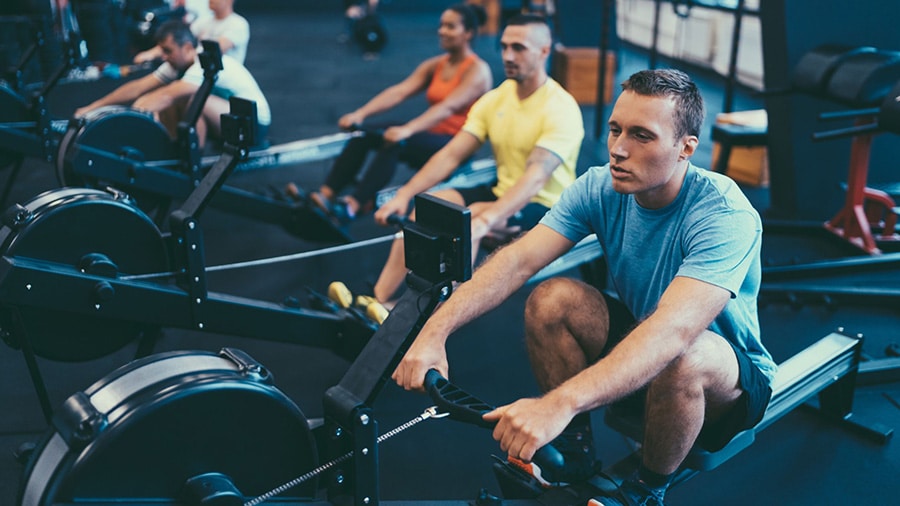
x,y
85,272
116,440
26,128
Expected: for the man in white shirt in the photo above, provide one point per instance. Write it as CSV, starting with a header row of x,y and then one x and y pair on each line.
x,y
228,28
175,81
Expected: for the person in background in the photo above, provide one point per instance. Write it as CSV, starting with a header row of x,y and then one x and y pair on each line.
x,y
228,28
195,9
364,26
451,82
170,87
535,129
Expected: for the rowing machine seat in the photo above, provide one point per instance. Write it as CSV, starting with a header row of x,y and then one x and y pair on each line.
x,y
818,369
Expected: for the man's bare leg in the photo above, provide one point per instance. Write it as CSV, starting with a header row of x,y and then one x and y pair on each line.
x,y
702,384
566,329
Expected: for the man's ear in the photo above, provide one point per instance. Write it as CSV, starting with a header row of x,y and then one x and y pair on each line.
x,y
688,147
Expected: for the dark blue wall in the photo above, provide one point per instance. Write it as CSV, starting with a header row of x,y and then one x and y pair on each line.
x,y
806,175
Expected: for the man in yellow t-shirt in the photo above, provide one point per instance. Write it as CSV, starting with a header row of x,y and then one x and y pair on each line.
x,y
535,129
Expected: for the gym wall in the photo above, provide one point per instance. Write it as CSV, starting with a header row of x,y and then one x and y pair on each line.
x,y
806,175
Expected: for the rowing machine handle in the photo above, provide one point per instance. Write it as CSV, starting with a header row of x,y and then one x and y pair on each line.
x,y
464,407
378,132
399,220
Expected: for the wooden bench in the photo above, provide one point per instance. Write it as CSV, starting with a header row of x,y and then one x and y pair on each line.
x,y
826,369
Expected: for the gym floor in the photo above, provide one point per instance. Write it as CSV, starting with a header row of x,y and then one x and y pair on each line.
x,y
310,79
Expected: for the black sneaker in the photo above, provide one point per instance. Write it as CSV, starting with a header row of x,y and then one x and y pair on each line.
x,y
341,212
321,201
632,492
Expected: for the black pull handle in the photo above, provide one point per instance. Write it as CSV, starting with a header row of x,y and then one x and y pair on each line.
x,y
451,399
400,221
370,131
464,407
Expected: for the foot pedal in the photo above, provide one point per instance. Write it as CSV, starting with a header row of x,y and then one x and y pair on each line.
x,y
516,483
24,452
275,193
320,302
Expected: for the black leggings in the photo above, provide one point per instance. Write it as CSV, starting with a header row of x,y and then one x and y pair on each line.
x,y
414,151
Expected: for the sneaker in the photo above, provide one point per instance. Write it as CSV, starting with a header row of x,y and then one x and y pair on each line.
x,y
632,492
532,470
294,192
363,301
366,304
320,201
377,312
341,212
340,294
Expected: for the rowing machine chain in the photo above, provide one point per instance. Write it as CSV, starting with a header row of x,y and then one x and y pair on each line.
x,y
431,412
272,260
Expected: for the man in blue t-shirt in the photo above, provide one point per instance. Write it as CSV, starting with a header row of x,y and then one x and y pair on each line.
x,y
678,333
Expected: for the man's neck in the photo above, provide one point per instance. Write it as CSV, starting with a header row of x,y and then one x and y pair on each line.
x,y
222,13
525,88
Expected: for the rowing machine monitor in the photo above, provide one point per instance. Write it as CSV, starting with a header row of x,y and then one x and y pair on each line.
x,y
438,247
239,127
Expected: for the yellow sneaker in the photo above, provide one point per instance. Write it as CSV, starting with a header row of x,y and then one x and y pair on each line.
x,y
340,294
363,301
376,312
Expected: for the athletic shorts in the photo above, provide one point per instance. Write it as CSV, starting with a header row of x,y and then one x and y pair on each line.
x,y
750,407
526,218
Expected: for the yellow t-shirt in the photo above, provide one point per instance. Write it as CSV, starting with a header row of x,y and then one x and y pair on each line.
x,y
549,118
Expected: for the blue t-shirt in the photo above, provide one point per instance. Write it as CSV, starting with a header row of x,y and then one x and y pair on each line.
x,y
710,232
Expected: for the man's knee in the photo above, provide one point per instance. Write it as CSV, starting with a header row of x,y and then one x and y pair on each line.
x,y
552,300
708,363
450,195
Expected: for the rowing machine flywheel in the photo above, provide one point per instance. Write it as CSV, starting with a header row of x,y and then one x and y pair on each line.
x,y
120,131
177,427
98,232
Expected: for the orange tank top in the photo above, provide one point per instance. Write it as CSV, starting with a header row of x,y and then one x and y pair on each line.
x,y
438,90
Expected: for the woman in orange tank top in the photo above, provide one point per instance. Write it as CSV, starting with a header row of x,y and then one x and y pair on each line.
x,y
451,82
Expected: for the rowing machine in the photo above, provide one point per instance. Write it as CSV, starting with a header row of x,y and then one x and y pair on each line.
x,y
156,431
63,272
131,151
25,125
826,369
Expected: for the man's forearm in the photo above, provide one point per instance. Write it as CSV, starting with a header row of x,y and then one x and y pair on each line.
x,y
440,166
127,93
498,278
515,198
685,311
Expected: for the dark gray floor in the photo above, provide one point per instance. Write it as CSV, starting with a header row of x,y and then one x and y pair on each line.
x,y
310,80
